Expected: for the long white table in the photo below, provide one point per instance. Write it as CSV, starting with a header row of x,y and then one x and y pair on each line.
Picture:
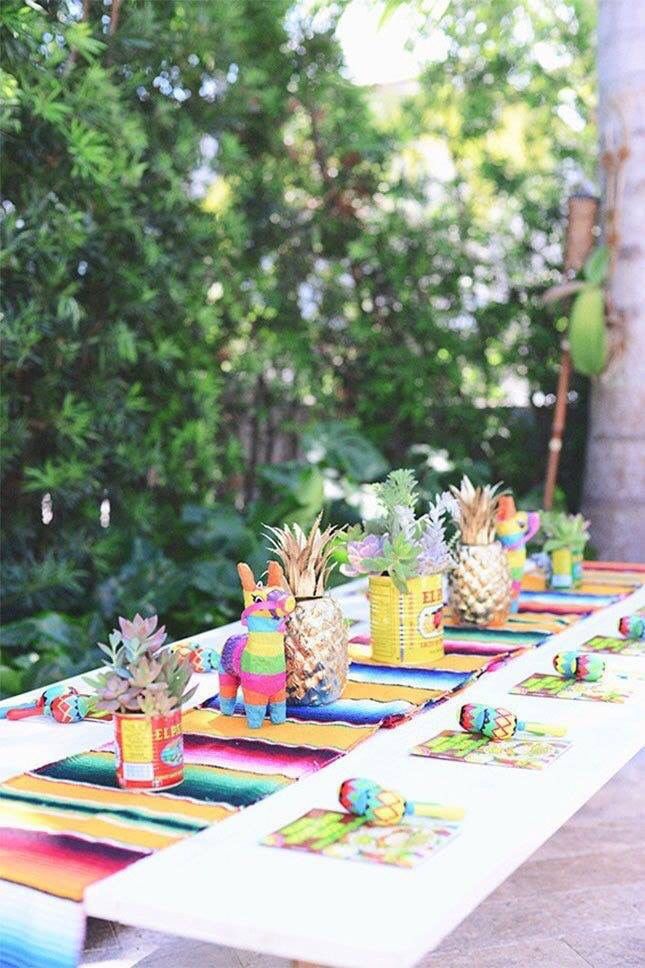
x,y
222,886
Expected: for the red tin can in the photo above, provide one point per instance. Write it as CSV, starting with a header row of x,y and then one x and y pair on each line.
x,y
149,750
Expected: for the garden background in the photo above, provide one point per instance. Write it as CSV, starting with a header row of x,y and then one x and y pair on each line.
x,y
239,286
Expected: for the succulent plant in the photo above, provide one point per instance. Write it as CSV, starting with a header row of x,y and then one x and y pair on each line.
x,y
563,530
399,543
143,675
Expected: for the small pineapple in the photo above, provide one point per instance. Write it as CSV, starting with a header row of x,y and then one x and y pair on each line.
x,y
315,640
480,579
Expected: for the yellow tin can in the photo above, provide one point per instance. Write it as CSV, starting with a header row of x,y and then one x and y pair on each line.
x,y
561,568
406,628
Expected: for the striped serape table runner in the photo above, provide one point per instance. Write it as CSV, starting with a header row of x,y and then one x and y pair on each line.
x,y
66,825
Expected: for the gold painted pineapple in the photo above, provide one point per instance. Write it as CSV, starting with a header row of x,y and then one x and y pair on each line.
x,y
315,641
480,578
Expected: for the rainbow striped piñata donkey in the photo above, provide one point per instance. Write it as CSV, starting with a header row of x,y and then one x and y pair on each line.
x,y
256,660
514,529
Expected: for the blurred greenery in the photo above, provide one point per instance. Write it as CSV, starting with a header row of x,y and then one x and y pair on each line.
x,y
238,286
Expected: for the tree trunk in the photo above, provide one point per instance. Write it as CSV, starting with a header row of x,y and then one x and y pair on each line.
x,y
614,492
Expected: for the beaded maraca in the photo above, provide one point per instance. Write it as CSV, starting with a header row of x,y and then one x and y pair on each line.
x,y
203,659
61,703
37,707
579,665
501,723
365,798
71,708
632,626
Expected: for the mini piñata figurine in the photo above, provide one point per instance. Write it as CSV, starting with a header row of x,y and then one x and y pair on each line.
x,y
514,530
579,665
256,660
365,798
501,723
632,626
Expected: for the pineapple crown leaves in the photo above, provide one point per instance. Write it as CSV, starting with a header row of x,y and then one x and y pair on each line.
x,y
305,558
477,511
142,675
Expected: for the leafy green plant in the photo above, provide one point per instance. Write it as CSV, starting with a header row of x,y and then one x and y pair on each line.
x,y
142,675
564,531
398,543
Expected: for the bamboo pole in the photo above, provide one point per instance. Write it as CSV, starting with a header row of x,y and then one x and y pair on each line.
x,y
582,213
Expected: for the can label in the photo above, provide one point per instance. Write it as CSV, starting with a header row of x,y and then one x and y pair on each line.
x,y
561,568
149,750
406,629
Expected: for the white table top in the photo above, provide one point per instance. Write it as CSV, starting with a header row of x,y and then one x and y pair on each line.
x,y
222,886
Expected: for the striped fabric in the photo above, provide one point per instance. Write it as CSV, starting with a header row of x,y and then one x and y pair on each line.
x,y
67,824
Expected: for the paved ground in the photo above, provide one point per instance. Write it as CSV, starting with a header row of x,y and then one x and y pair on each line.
x,y
578,902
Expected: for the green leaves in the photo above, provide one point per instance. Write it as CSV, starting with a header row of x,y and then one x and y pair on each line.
x,y
79,38
90,153
596,267
338,444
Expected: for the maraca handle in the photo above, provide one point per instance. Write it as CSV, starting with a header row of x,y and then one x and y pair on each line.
x,y
436,810
4,712
23,713
542,729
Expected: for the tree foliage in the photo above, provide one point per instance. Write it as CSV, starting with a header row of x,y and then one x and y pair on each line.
x,y
236,286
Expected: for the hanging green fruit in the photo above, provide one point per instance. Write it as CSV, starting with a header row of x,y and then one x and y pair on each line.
x,y
588,332
587,326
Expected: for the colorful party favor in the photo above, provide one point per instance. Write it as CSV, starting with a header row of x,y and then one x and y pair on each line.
x,y
514,530
365,798
256,660
632,626
579,665
501,723
61,703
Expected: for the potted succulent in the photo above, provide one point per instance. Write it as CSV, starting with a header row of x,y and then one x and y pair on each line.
x,y
566,536
480,578
405,557
144,686
315,638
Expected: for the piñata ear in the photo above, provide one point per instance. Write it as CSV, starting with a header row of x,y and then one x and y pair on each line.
x,y
275,575
246,576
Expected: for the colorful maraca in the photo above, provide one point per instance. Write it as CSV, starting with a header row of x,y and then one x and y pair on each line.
x,y
37,707
365,798
579,665
203,659
632,626
71,708
61,703
501,723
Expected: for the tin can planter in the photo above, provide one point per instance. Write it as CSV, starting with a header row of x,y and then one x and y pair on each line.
x,y
407,628
561,569
576,568
149,750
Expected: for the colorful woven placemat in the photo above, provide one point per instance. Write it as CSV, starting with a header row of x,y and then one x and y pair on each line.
x,y
67,824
